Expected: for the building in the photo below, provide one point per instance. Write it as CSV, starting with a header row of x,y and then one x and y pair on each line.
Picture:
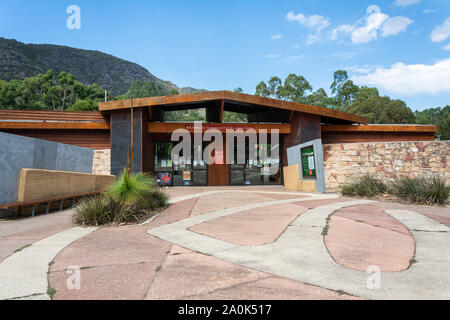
x,y
110,129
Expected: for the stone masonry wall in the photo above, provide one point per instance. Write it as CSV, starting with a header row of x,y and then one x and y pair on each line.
x,y
345,162
102,162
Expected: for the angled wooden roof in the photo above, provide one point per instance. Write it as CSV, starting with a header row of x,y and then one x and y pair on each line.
x,y
45,119
49,116
234,97
402,128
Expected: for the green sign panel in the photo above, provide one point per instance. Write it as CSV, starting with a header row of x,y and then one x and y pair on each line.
x,y
308,162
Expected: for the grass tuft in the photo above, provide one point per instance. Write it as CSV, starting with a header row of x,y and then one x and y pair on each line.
x,y
51,292
130,189
23,248
422,190
366,186
129,200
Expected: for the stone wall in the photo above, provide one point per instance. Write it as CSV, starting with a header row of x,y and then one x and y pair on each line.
x,y
344,162
102,162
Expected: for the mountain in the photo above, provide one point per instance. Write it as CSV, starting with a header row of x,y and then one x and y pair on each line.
x,y
19,60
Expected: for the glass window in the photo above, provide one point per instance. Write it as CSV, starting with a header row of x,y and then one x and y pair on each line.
x,y
163,152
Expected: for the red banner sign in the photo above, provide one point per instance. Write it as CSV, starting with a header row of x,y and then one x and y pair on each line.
x,y
219,157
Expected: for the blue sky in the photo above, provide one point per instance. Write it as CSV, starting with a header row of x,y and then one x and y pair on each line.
x,y
400,46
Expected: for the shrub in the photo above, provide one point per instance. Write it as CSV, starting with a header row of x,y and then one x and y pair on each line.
x,y
129,200
366,186
424,190
101,210
153,199
130,189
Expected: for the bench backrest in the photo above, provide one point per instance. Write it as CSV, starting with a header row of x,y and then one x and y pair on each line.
x,y
35,184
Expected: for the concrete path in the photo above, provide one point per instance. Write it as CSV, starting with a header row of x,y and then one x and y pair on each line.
x,y
24,274
234,243
300,253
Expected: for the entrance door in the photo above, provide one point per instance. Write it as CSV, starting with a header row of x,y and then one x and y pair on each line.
x,y
218,172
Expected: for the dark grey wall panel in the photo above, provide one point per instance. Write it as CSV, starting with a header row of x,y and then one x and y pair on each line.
x,y
17,152
121,139
74,159
45,155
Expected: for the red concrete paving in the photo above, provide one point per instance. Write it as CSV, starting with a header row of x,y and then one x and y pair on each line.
x,y
115,282
15,234
272,288
194,273
8,247
372,215
183,191
277,196
175,212
362,236
251,228
127,263
112,246
226,200
189,275
425,210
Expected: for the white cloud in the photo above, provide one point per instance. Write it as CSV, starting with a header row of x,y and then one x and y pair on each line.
x,y
405,3
277,36
447,47
411,79
429,11
344,28
369,31
395,25
272,55
365,69
293,58
367,28
442,32
315,23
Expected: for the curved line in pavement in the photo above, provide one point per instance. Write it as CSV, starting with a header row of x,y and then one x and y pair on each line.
x,y
24,274
300,253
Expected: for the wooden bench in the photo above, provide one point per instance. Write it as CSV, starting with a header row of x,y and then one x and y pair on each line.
x,y
33,204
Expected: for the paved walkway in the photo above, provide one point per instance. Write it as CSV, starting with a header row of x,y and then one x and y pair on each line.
x,y
236,243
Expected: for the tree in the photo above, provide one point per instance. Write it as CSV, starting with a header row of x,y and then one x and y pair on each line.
x,y
174,92
234,117
275,87
380,110
139,89
340,77
397,112
48,91
238,90
436,116
294,89
84,105
262,90
320,98
365,93
343,89
186,115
